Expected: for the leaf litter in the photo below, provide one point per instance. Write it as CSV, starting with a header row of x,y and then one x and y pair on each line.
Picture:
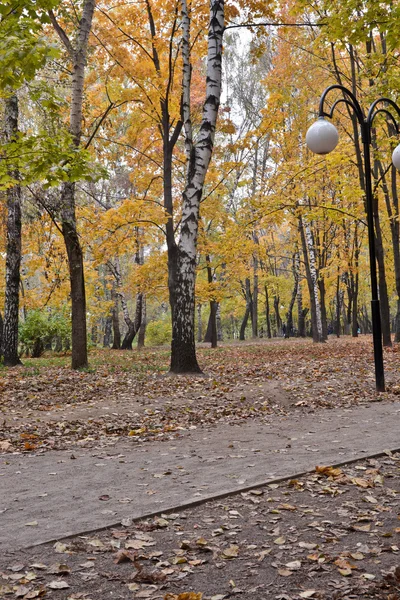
x,y
331,535
319,548
125,394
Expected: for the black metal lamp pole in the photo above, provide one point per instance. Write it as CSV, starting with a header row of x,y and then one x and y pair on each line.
x,y
366,126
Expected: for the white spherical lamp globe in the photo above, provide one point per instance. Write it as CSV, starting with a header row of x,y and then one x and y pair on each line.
x,y
396,157
322,137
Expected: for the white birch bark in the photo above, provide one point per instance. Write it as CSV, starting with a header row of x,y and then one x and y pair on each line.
x,y
116,268
199,151
314,278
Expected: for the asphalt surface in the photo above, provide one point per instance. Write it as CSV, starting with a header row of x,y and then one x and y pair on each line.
x,y
45,497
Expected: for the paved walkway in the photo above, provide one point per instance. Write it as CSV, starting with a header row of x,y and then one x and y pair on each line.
x,y
48,496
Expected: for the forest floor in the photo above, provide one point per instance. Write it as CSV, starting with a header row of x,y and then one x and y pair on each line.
x,y
330,534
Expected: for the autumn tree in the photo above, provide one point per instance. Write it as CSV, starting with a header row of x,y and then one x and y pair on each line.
x,y
77,51
23,51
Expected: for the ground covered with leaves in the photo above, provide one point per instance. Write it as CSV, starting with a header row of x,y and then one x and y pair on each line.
x,y
45,405
330,535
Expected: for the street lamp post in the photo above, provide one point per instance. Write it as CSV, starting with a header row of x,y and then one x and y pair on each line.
x,y
322,137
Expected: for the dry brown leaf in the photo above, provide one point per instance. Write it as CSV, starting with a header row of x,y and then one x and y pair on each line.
x,y
364,483
287,507
231,552
125,556
329,471
184,596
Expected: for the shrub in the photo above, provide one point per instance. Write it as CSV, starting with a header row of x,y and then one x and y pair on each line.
x,y
42,330
158,332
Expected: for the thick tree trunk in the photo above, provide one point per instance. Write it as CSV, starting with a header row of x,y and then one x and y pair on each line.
x,y
183,349
13,248
302,322
182,256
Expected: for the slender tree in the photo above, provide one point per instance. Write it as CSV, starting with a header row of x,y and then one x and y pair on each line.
x,y
13,251
77,52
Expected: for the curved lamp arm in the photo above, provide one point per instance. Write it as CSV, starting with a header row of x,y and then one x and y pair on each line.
x,y
372,112
350,100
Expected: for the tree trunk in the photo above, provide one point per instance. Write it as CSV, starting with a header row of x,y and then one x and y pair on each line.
x,y
107,332
267,312
183,349
338,306
354,323
289,314
142,328
254,320
278,320
199,323
133,326
78,56
107,321
115,323
76,277
312,281
182,256
219,322
13,248
211,333
322,293
248,310
302,322
243,326
392,207
383,293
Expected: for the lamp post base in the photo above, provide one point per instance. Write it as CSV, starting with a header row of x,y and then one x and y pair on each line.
x,y
378,352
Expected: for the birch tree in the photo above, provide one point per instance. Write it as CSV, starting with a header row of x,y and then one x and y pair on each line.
x,y
182,254
77,52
